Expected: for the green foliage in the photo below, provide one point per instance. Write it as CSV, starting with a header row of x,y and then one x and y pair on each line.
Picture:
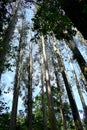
x,y
4,121
4,50
37,117
50,18
66,109
3,105
37,113
21,123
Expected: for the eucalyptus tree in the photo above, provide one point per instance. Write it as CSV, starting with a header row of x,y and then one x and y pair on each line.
x,y
77,84
60,97
73,105
48,90
8,24
58,91
42,88
59,94
79,57
21,48
29,86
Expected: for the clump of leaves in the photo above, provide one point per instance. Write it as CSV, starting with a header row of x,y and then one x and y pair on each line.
x,y
50,18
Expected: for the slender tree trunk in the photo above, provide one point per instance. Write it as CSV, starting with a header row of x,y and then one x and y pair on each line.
x,y
30,89
78,56
16,88
73,105
15,100
63,116
8,34
59,96
76,117
78,86
43,100
42,90
10,30
48,90
17,78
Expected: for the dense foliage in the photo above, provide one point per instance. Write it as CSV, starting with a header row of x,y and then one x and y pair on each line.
x,y
76,14
50,18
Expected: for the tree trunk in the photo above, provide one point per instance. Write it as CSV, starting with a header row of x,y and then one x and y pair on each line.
x,y
59,96
78,56
43,101
63,116
48,90
75,113
8,35
42,90
16,88
30,89
17,78
78,86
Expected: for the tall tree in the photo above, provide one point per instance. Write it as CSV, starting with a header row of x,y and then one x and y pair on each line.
x,y
29,86
78,56
60,97
73,105
77,84
15,93
7,35
42,89
48,90
21,48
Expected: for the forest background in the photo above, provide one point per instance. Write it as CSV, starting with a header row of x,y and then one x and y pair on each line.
x,y
43,65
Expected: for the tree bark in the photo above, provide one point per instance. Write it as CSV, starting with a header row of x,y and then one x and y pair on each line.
x,y
42,90
8,34
63,116
78,86
76,117
78,56
73,105
17,79
48,90
59,96
43,101
29,86
16,88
